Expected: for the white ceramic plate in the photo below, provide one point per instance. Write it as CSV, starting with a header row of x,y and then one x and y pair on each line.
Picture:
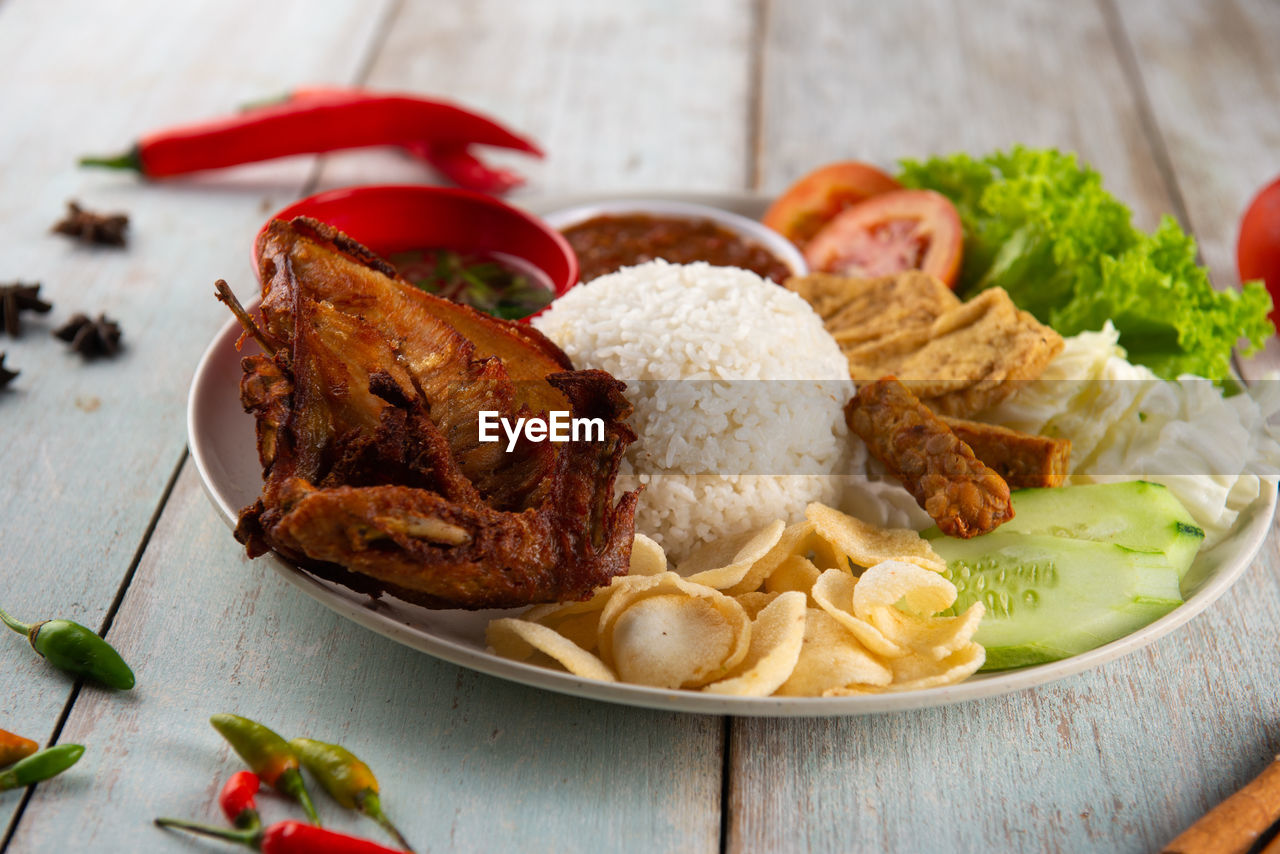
x,y
224,451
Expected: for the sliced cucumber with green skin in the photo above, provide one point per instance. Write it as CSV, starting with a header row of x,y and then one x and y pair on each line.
x,y
1050,597
1136,514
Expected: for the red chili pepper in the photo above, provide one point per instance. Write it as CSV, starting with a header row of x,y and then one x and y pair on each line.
x,y
457,162
286,837
325,120
296,837
237,800
462,167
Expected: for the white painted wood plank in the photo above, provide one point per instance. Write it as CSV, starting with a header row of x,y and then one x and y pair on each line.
x,y
577,776
1120,759
88,448
884,81
619,95
1212,74
467,762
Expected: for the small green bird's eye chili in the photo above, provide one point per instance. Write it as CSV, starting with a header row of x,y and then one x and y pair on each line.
x,y
347,779
40,766
76,649
268,755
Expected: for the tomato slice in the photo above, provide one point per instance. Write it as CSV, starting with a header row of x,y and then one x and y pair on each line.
x,y
814,200
890,233
1258,249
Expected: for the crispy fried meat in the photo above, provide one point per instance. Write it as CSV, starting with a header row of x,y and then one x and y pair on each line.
x,y
367,413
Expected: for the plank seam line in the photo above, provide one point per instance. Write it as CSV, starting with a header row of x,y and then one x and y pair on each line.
x,y
755,92
726,777
381,32
107,620
1132,72
1146,113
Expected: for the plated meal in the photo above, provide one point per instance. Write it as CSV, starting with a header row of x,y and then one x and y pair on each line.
x,y
931,455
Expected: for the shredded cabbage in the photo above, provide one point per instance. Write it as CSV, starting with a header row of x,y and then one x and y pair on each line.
x,y
1213,452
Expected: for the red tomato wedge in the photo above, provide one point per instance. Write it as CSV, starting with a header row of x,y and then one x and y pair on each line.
x,y
891,233
814,200
1258,249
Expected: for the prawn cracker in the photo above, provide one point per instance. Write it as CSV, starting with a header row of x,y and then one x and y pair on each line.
x,y
866,545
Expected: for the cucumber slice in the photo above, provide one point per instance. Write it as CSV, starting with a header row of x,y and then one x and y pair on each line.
x,y
1050,597
1136,514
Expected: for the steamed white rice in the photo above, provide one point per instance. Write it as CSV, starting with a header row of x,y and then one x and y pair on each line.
x,y
717,457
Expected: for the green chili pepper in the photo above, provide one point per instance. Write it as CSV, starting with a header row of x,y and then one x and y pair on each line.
x,y
76,649
347,779
267,755
40,766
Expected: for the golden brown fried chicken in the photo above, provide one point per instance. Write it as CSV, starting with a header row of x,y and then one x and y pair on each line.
x,y
367,408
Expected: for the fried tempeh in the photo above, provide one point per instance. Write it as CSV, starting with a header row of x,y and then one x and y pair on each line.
x,y
1022,459
964,496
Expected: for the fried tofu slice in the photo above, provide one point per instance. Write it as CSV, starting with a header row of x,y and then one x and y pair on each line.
x,y
1022,459
858,311
973,358
957,357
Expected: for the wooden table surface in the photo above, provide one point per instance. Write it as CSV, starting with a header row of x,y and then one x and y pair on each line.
x,y
104,520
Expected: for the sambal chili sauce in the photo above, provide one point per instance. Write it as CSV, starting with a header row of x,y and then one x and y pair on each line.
x,y
607,243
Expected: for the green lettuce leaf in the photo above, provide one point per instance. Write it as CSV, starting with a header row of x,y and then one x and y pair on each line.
x,y
1040,225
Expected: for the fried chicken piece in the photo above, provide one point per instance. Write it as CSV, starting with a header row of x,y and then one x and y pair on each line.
x,y
367,406
963,496
1023,460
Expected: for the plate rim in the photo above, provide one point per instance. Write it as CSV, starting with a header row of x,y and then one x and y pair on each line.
x,y
1246,537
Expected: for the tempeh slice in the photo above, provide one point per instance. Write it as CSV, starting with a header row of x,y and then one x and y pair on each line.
x,y
965,497
1022,459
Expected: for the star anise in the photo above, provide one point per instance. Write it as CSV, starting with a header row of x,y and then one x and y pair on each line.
x,y
16,298
91,338
90,227
6,375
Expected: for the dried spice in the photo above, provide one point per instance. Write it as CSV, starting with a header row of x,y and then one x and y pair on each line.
x,y
16,298
6,375
90,227
89,337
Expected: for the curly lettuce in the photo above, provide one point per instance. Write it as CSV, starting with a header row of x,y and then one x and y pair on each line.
x,y
1040,225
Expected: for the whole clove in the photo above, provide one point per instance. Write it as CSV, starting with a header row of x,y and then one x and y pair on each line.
x,y
90,227
6,375
89,337
16,298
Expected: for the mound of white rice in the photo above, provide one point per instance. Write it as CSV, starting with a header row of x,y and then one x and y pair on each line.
x,y
717,456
